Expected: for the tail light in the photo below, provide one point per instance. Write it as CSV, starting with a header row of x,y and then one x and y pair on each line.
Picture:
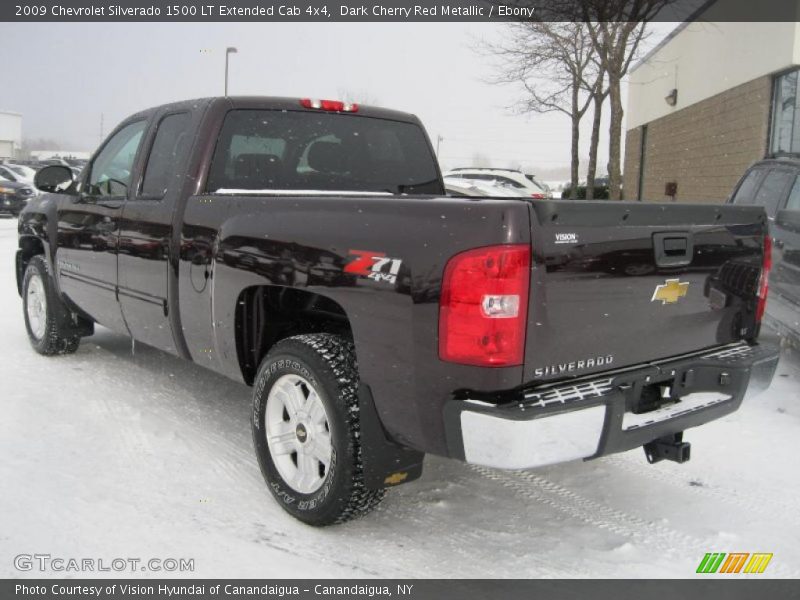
x,y
763,282
329,105
538,196
484,306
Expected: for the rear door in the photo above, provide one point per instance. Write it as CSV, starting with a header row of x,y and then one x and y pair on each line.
x,y
618,284
146,230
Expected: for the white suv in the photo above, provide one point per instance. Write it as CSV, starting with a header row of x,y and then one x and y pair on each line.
x,y
504,177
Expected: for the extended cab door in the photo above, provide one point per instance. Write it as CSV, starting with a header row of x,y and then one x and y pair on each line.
x,y
146,229
88,228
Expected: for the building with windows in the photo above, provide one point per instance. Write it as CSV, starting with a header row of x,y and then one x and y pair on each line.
x,y
10,134
712,98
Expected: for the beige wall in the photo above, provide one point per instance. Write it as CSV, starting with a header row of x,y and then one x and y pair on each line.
x,y
705,147
703,59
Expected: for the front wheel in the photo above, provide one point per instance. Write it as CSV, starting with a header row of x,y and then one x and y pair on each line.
x,y
45,314
306,429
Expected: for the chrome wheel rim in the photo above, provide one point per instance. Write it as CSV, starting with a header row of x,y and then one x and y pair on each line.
x,y
36,306
298,433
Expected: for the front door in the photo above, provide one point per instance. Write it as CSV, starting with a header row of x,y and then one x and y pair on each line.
x,y
88,228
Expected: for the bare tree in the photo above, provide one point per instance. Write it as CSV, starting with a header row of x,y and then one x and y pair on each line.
x,y
599,93
357,96
555,63
617,29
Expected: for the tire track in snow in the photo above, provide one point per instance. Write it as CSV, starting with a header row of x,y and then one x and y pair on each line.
x,y
632,528
464,541
743,500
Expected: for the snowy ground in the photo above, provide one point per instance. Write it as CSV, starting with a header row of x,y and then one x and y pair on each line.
x,y
108,455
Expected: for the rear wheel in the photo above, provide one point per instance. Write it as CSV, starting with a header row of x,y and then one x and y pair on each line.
x,y
46,317
306,429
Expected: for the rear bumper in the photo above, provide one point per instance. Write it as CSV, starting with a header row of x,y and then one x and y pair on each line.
x,y
588,418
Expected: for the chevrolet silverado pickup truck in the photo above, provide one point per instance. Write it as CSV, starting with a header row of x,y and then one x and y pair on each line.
x,y
307,248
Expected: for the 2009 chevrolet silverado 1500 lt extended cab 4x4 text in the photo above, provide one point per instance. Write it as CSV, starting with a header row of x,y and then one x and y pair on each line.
x,y
306,248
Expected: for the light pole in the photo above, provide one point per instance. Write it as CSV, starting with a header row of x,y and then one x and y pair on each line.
x,y
228,51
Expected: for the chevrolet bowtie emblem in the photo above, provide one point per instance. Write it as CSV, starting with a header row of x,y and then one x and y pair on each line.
x,y
670,291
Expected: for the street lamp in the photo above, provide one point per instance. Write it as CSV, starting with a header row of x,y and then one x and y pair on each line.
x,y
228,51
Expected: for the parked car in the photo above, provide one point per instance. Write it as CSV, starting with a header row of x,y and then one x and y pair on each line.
x,y
52,161
775,186
20,173
505,177
276,240
456,186
14,195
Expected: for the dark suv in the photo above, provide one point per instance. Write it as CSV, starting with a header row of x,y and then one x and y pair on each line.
x,y
775,185
14,195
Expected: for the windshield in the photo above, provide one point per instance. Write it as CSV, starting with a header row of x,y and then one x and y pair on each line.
x,y
286,151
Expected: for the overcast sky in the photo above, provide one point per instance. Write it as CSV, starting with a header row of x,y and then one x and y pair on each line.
x,y
63,76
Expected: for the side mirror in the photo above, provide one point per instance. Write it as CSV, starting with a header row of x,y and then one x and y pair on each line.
x,y
789,220
54,179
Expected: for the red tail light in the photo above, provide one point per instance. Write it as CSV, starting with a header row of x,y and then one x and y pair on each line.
x,y
538,196
329,105
484,306
763,282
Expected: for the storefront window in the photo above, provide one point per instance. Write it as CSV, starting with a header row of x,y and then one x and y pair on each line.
x,y
785,137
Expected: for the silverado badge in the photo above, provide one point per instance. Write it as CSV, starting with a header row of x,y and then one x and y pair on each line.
x,y
670,291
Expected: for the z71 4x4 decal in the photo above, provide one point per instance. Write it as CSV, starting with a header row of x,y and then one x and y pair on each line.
x,y
373,265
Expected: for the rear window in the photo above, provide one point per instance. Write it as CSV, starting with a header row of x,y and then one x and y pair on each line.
x,y
267,150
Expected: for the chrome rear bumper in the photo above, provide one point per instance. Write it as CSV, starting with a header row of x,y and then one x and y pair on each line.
x,y
589,418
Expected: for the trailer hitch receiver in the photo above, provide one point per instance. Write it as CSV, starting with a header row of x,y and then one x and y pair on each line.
x,y
671,447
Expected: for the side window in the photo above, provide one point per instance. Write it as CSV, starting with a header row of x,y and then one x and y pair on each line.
x,y
111,171
794,196
747,190
168,148
772,192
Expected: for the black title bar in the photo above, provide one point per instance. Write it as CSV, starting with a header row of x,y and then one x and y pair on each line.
x,y
391,10
419,589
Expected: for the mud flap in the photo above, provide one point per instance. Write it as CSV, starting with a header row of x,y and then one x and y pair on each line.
x,y
386,463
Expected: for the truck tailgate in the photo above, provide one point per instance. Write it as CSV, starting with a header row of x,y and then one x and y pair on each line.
x,y
618,284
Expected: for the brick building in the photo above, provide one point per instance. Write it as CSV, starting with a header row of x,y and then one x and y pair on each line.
x,y
706,103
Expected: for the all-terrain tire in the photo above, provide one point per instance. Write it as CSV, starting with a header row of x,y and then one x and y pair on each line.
x,y
328,364
47,323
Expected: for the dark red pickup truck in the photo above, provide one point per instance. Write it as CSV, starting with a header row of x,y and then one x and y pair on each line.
x,y
307,248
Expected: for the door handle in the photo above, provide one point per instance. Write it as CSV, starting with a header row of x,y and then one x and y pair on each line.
x,y
779,243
